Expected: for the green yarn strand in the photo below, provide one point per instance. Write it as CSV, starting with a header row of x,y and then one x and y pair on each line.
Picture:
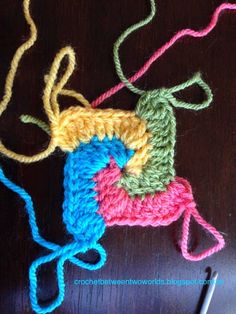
x,y
195,80
121,39
42,125
156,108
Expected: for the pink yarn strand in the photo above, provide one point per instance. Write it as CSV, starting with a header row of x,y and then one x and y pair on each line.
x,y
185,236
158,53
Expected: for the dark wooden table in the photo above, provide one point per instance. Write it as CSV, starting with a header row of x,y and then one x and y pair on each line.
x,y
205,153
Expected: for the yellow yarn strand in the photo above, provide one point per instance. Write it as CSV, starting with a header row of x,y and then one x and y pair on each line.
x,y
50,95
53,89
18,56
79,97
76,124
72,93
9,86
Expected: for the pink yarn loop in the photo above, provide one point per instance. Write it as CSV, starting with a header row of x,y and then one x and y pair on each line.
x,y
185,237
158,53
191,211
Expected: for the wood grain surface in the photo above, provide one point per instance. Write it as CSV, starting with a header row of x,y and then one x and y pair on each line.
x,y
205,153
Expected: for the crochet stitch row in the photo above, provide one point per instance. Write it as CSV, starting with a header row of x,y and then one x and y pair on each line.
x,y
80,206
78,124
155,107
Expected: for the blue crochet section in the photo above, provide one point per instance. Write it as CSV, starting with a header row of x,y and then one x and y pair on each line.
x,y
80,207
79,213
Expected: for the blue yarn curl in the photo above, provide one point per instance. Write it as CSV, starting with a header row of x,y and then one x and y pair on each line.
x,y
79,213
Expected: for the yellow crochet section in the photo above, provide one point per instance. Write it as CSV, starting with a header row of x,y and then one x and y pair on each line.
x,y
78,124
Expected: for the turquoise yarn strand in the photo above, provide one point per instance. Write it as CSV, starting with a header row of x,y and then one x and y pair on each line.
x,y
64,253
79,213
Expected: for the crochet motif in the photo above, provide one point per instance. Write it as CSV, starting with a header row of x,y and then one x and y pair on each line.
x,y
119,167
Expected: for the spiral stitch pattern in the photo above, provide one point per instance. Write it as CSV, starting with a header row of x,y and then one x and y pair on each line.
x,y
120,164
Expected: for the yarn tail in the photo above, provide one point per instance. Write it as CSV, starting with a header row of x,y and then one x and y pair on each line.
x,y
160,51
192,212
62,255
59,253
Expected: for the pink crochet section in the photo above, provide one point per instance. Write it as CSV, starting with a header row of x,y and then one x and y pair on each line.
x,y
118,208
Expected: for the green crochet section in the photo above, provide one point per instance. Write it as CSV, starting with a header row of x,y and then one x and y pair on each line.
x,y
156,108
159,169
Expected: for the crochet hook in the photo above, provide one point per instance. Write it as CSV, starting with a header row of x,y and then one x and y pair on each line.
x,y
209,293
